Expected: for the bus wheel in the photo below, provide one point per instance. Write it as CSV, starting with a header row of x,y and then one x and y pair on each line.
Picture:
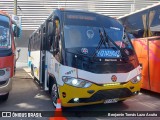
x,y
54,94
4,97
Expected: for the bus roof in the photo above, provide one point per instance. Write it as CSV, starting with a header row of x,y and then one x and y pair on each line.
x,y
137,11
69,10
81,11
76,10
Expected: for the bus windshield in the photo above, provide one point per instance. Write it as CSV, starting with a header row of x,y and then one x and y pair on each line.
x,y
5,41
83,31
88,36
78,37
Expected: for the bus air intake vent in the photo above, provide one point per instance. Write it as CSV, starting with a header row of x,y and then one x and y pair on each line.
x,y
106,94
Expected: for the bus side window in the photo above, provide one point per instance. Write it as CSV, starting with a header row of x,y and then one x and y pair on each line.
x,y
51,35
57,42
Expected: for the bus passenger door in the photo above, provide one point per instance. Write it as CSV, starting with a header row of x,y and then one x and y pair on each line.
x,y
42,57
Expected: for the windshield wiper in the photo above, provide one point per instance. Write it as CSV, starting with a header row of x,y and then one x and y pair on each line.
x,y
102,41
107,39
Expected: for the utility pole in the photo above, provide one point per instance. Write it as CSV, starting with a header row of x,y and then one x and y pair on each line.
x,y
15,7
15,13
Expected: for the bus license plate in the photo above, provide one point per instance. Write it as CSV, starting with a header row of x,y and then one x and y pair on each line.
x,y
110,101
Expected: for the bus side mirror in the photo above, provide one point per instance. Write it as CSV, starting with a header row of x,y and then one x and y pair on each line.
x,y
16,31
18,54
19,50
51,29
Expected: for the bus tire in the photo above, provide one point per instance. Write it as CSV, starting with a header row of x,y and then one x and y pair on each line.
x,y
53,89
4,97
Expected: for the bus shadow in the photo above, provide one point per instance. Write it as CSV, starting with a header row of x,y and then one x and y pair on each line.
x,y
150,93
98,110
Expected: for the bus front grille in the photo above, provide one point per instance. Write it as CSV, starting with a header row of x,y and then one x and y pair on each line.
x,y
106,94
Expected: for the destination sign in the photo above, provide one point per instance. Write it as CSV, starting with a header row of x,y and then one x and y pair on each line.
x,y
108,53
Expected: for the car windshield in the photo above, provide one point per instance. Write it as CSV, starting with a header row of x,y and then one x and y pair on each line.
x,y
4,32
89,36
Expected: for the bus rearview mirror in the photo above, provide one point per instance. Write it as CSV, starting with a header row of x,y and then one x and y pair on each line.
x,y
19,50
51,29
16,31
18,54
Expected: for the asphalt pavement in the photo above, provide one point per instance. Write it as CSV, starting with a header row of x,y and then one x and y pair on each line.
x,y
26,95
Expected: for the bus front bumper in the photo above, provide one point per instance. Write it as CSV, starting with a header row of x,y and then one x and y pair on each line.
x,y
72,96
5,86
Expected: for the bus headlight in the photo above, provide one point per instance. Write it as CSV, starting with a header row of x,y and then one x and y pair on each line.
x,y
76,82
136,79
